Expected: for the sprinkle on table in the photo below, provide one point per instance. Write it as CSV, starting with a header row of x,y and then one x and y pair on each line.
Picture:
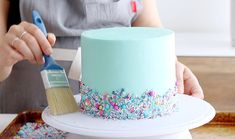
x,y
39,131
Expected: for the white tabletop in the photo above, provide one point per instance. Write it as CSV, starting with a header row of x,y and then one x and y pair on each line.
x,y
204,44
5,120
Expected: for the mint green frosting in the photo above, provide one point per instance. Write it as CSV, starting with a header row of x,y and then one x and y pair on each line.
x,y
134,58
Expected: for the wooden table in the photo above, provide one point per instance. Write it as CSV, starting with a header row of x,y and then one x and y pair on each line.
x,y
5,120
221,127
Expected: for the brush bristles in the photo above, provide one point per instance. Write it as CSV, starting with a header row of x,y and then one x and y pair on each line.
x,y
61,100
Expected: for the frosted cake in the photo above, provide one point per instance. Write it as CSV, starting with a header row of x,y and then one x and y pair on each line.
x,y
128,73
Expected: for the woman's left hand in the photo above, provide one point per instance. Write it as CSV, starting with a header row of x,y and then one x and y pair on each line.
x,y
187,82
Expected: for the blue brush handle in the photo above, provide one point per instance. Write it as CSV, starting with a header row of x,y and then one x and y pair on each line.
x,y
49,61
37,20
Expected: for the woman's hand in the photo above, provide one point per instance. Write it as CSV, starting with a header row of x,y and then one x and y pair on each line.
x,y
24,41
187,82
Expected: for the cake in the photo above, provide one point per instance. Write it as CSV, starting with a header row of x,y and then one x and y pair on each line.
x,y
128,73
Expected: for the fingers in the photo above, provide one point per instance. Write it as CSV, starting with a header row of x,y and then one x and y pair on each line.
x,y
34,47
180,77
27,40
8,56
14,57
39,36
51,38
198,93
191,83
21,47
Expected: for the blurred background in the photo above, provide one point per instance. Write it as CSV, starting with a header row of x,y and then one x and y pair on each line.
x,y
209,16
203,43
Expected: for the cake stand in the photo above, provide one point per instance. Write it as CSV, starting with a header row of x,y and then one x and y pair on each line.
x,y
192,113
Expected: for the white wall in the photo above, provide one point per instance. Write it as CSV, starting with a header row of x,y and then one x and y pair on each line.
x,y
195,15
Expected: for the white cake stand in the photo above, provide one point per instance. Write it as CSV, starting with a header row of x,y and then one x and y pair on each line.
x,y
192,113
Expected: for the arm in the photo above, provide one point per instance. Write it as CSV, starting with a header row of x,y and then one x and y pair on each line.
x,y
14,47
186,81
4,9
149,16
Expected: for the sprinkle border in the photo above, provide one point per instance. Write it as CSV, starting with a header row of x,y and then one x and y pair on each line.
x,y
122,106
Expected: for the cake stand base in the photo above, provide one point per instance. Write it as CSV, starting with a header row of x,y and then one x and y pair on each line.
x,y
180,135
192,113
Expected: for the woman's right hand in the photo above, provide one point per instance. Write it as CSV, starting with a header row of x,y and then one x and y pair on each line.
x,y
24,41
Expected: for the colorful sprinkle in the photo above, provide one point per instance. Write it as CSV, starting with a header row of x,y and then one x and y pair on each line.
x,y
116,107
151,93
39,131
107,107
121,105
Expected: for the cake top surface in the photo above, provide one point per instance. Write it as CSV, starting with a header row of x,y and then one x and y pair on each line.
x,y
127,33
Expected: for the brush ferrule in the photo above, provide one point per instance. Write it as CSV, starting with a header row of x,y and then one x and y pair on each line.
x,y
54,78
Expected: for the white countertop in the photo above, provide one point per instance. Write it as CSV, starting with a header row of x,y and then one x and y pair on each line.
x,y
5,120
204,44
187,44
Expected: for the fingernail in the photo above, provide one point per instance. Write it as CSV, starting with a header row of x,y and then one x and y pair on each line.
x,y
198,95
43,60
48,51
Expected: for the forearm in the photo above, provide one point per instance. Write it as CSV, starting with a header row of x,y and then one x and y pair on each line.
x,y
4,9
149,16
